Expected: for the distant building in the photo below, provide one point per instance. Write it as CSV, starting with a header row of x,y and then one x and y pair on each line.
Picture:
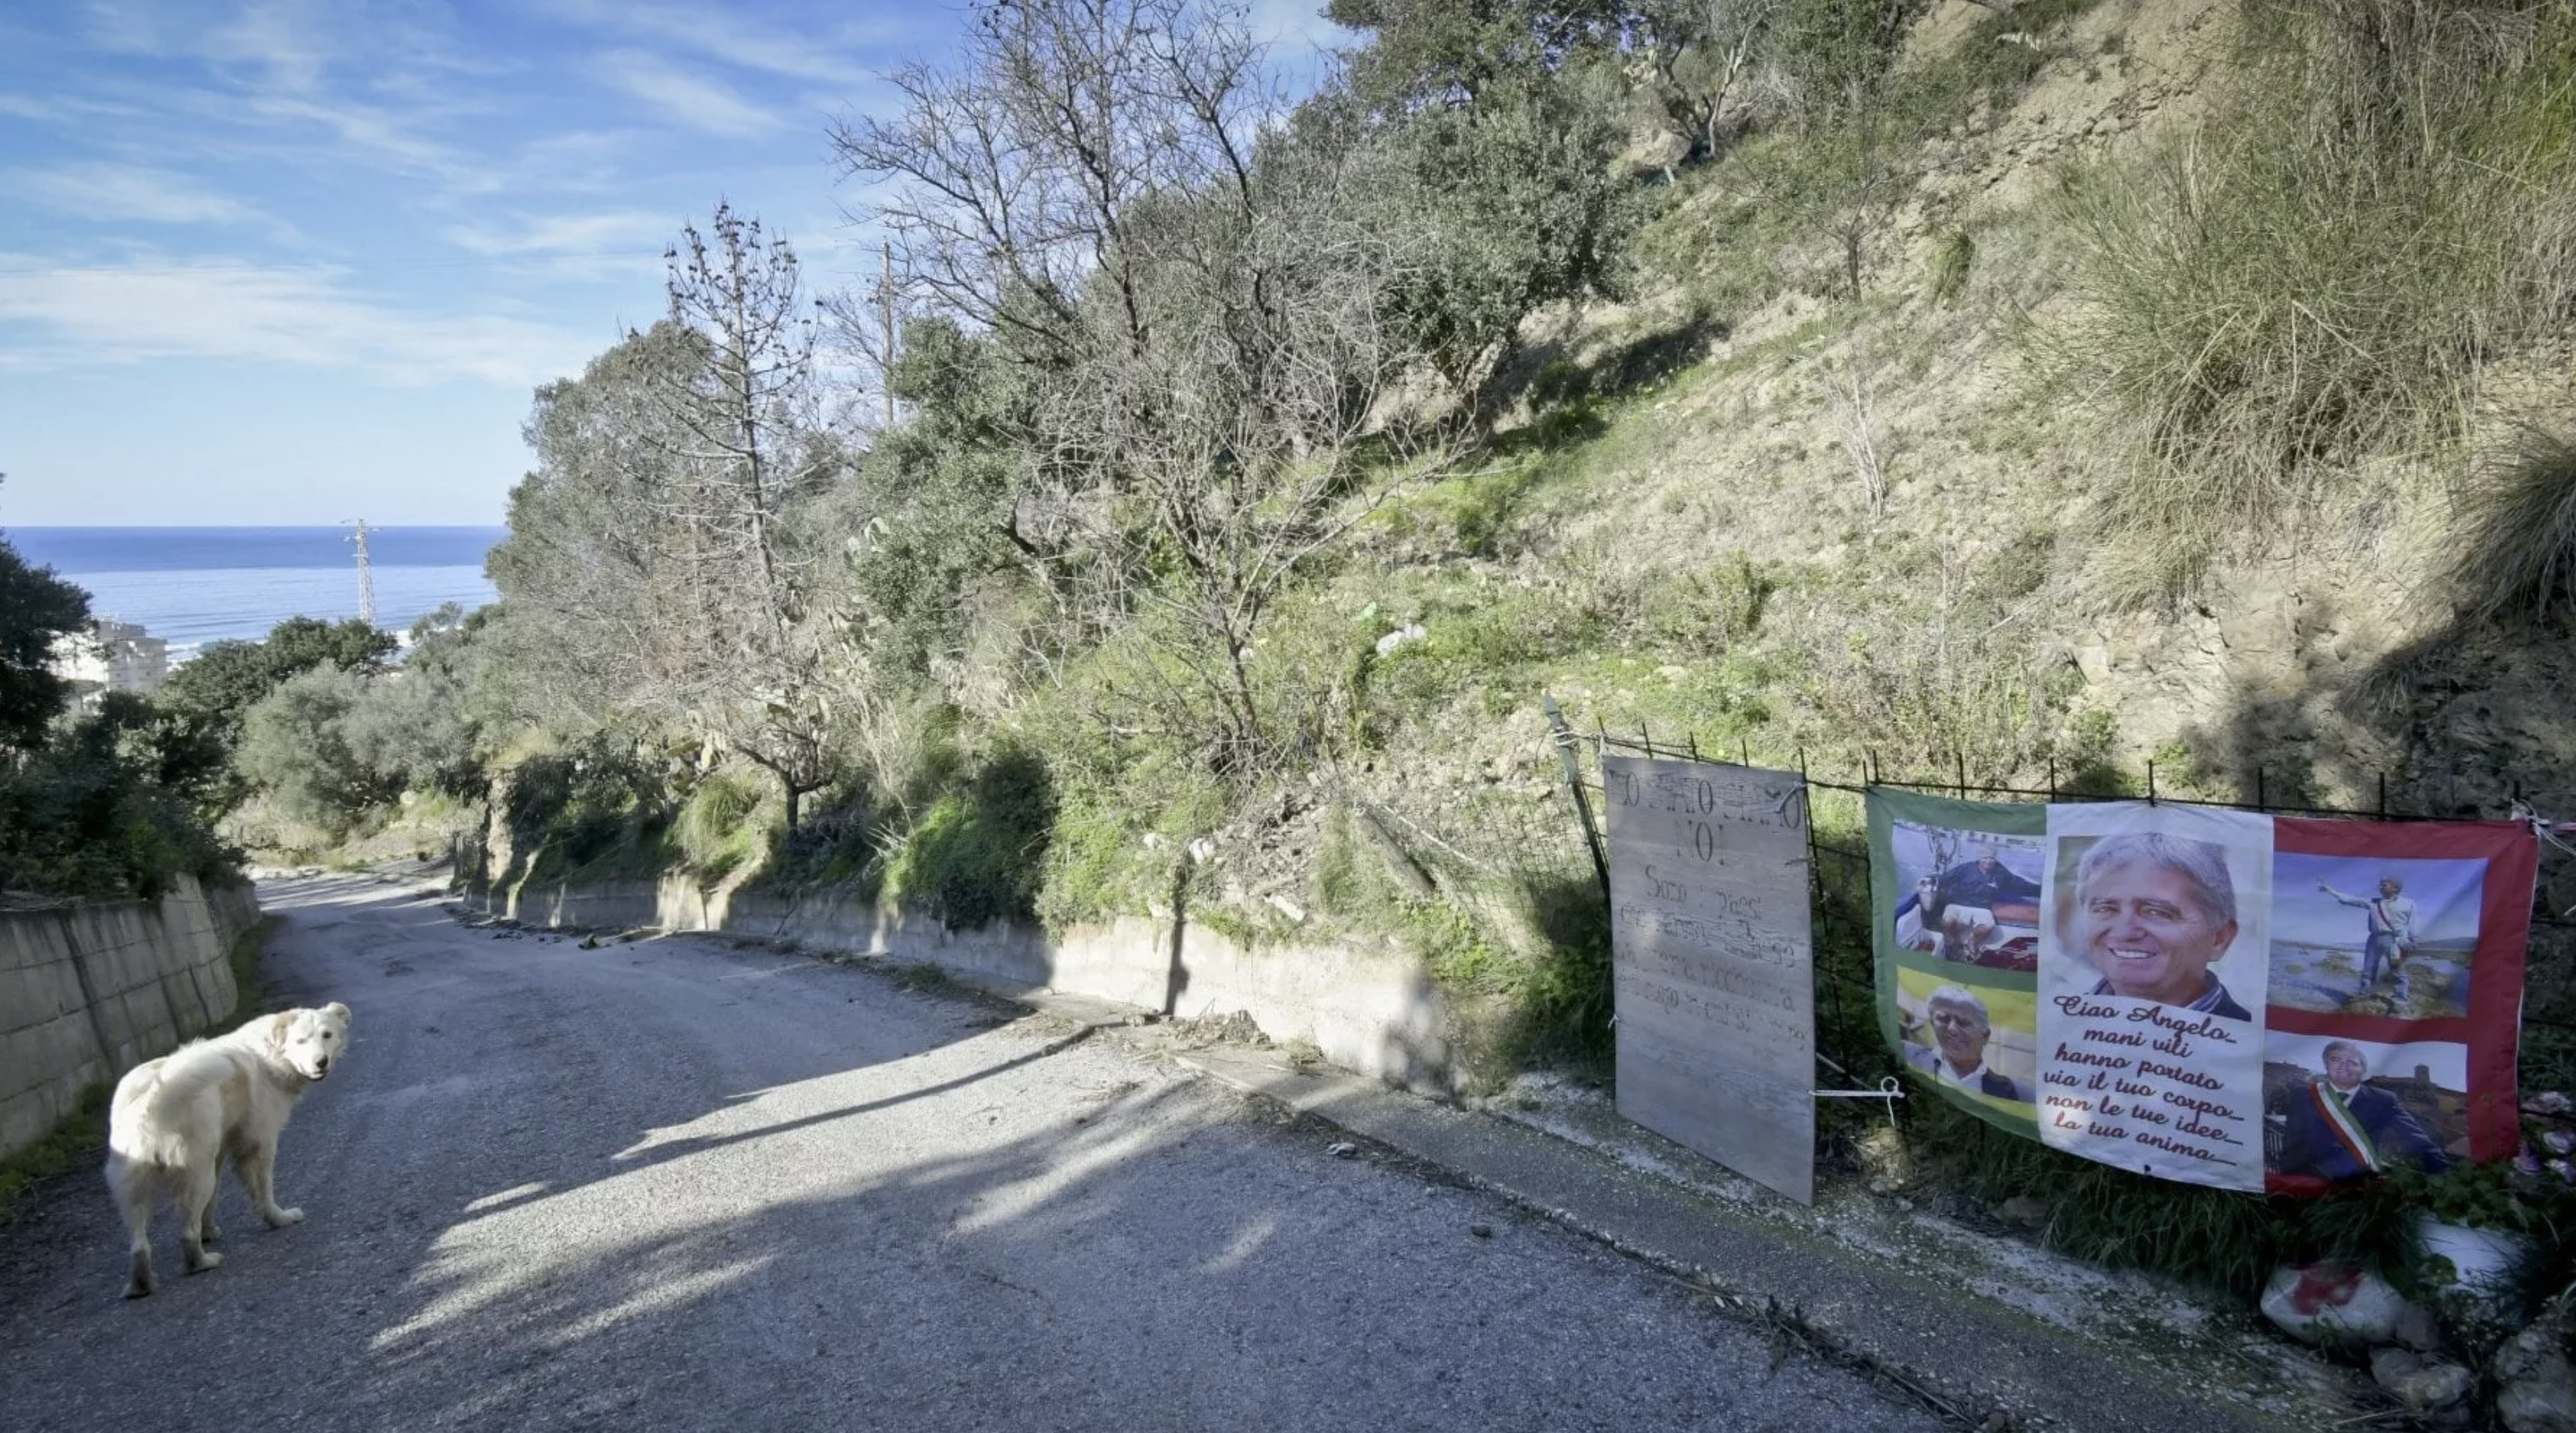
x,y
111,656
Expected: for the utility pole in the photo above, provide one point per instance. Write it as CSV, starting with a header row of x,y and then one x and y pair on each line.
x,y
366,578
885,308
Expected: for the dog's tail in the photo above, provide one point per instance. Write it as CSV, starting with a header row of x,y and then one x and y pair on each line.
x,y
137,1134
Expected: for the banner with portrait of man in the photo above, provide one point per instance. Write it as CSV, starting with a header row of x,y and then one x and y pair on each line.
x,y
2218,997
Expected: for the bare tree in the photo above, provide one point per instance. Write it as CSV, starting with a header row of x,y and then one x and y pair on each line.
x,y
1204,313
1698,53
1856,425
1010,180
745,442
1275,334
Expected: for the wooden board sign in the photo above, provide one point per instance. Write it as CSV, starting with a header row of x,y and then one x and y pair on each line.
x,y
1712,965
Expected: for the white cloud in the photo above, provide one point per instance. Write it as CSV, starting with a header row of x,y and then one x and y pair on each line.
x,y
747,46
125,26
291,67
383,133
288,45
690,99
304,316
64,109
129,191
575,248
628,231
747,43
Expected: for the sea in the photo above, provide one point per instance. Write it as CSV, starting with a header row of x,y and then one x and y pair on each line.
x,y
195,585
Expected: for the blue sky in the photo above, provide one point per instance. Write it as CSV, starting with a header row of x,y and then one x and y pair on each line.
x,y
298,261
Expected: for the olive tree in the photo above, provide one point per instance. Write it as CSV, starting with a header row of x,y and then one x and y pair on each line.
x,y
1201,308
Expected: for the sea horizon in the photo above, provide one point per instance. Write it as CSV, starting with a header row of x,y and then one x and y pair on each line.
x,y
199,584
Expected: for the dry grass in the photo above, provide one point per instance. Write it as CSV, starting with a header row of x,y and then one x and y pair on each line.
x,y
2517,557
1856,424
2323,272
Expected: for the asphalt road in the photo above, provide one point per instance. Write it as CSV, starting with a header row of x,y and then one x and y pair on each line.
x,y
676,1184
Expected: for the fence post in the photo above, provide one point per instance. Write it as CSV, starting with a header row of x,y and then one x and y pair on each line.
x,y
1574,784
1820,912
2151,781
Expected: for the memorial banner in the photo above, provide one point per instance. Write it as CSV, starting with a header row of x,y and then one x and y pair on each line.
x,y
1713,974
2218,997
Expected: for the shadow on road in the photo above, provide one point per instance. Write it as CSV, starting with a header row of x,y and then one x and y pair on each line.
x,y
676,1185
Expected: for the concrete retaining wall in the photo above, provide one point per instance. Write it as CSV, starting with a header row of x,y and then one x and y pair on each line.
x,y
90,990
1375,1011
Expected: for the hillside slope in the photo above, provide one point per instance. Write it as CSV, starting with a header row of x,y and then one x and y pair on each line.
x,y
1750,509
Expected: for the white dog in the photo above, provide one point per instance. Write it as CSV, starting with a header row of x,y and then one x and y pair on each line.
x,y
176,1119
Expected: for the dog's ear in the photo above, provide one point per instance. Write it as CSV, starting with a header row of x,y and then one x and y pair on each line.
x,y
278,1026
336,1008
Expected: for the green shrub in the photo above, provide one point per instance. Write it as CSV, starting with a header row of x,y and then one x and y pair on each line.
x,y
977,854
295,745
77,820
715,832
37,609
206,700
413,725
597,808
1927,674
1705,611
2221,1239
1096,866
2086,758
1951,260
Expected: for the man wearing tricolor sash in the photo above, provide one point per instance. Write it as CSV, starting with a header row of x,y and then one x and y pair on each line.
x,y
2340,1128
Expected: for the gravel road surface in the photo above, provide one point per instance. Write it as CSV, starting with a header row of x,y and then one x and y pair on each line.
x,y
676,1184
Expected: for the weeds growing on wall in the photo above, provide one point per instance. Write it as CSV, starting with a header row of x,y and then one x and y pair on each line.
x,y
716,832
977,854
1518,937
76,1140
